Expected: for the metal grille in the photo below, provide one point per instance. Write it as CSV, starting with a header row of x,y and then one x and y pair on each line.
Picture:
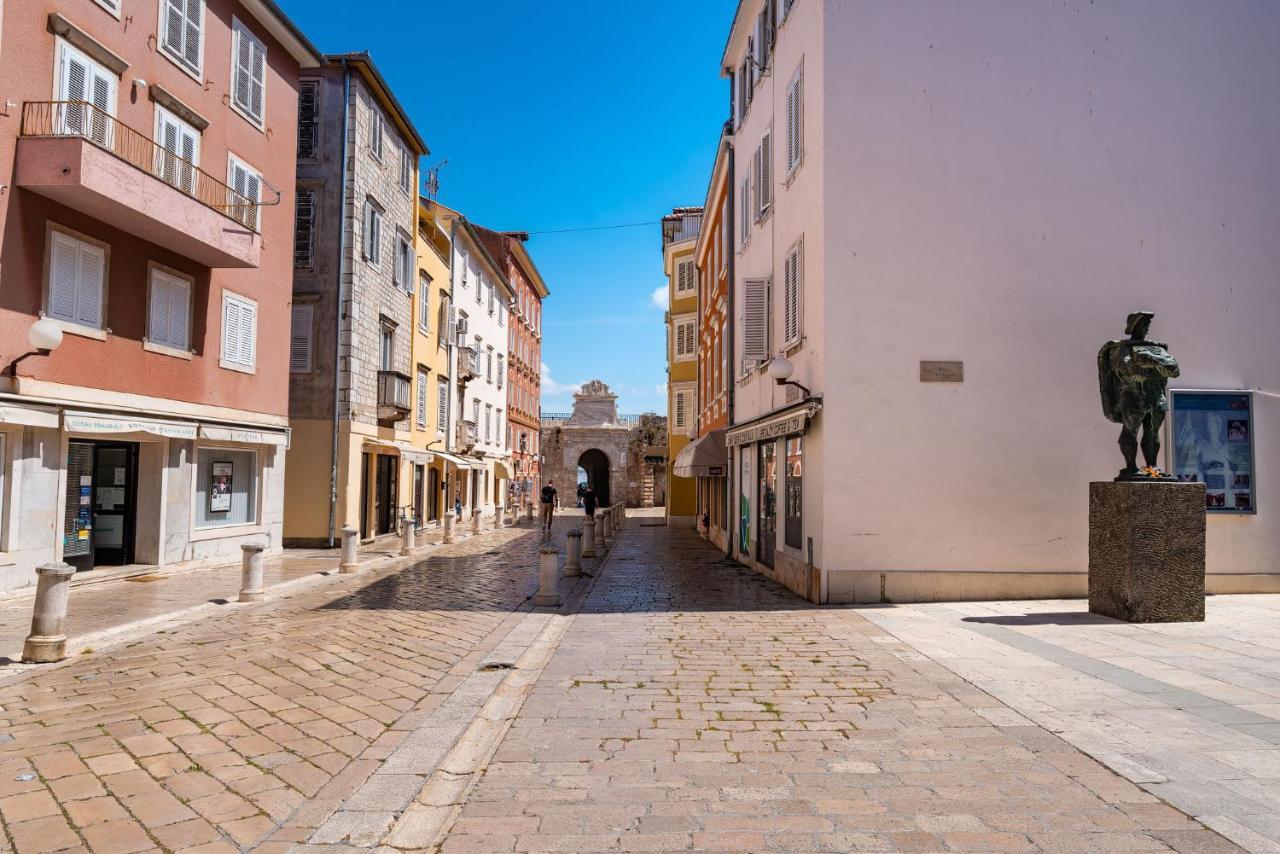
x,y
79,465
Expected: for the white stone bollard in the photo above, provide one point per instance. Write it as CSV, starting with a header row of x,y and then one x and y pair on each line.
x,y
548,577
448,529
573,554
409,543
603,529
350,563
589,537
475,521
528,513
251,572
48,640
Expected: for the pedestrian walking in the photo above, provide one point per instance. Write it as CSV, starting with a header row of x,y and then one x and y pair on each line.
x,y
548,505
589,502
457,507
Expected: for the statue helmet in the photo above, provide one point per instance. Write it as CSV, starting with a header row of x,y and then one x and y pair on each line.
x,y
1135,319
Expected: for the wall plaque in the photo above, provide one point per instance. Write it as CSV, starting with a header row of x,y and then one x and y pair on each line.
x,y
941,372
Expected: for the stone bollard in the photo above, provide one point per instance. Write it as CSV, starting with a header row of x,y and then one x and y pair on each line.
x,y
350,563
48,640
603,529
548,577
410,536
589,537
573,554
475,521
448,529
528,513
251,572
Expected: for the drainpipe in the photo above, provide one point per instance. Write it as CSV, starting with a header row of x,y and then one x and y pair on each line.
x,y
731,373
449,344
337,326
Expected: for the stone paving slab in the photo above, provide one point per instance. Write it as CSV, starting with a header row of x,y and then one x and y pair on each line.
x,y
694,705
1190,712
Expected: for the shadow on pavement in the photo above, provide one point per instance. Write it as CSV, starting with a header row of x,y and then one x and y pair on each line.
x,y
1064,618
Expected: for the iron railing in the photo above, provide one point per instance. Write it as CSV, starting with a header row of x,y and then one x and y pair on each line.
x,y
82,119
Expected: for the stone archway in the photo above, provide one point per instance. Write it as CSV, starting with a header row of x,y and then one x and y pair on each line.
x,y
595,463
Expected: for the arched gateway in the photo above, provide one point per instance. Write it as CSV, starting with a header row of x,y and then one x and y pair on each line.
x,y
595,463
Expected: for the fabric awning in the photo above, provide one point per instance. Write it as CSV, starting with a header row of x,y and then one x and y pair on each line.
x,y
500,470
455,459
703,457
244,435
789,421
28,416
122,426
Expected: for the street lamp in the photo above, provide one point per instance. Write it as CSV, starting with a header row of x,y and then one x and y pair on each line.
x,y
44,335
781,369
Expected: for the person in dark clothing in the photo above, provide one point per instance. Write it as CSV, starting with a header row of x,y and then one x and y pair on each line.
x,y
548,505
589,502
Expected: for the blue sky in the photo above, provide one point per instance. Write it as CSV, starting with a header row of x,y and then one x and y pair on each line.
x,y
553,115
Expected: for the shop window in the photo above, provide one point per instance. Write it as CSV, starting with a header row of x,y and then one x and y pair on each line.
x,y
226,487
794,486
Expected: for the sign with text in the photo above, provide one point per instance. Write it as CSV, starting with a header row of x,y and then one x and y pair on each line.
x,y
1213,444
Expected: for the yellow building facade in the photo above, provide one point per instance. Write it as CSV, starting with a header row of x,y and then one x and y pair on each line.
x,y
680,231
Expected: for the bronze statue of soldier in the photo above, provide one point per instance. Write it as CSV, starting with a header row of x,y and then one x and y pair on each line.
x,y
1133,376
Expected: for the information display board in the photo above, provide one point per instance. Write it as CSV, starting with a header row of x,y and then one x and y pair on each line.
x,y
1213,444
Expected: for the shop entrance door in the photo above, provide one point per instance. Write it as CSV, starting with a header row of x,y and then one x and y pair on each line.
x,y
418,486
767,522
101,504
384,493
433,494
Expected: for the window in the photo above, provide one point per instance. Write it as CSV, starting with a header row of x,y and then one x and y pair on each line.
x,y
492,300
488,421
465,268
442,404
762,176
424,302
791,284
501,371
686,277
181,25
178,153
488,366
239,332
682,404
77,280
377,131
372,247
308,118
444,323
686,339
169,310
301,333
246,188
502,312
248,72
475,411
795,120
304,228
226,487
406,170
479,286
387,348
745,219
80,79
755,322
422,397
403,274
793,494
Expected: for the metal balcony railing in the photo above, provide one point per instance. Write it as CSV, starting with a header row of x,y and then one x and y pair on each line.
x,y
393,395
83,119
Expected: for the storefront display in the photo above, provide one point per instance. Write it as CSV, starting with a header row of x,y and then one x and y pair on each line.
x,y
1213,444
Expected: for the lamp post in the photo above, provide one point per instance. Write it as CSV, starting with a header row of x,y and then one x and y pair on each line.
x,y
44,336
781,369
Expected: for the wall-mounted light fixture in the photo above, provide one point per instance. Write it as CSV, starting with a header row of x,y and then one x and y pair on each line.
x,y
781,369
44,335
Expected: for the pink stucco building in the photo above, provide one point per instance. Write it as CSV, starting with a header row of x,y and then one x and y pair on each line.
x,y
942,210
147,159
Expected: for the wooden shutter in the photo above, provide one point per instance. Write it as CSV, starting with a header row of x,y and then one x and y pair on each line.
x,y
301,335
170,311
304,228
757,198
73,88
681,405
791,296
745,217
755,321
239,331
249,74
766,172
442,404
794,107
183,20
249,333
422,398
181,147
308,115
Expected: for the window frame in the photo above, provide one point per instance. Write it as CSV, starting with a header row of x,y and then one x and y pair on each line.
x,y
169,348
240,30
200,532
232,161
303,84
371,231
377,132
75,327
406,170
299,193
229,296
164,114
682,265
402,276
311,336
442,404
792,291
163,49
422,376
424,302
689,322
794,158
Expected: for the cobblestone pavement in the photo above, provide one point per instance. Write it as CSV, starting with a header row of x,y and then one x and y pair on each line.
x,y
692,705
1188,711
248,729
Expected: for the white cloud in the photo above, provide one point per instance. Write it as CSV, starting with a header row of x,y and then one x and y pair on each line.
x,y
552,388
659,298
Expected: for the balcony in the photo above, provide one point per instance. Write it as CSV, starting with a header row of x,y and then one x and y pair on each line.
x,y
82,157
393,396
468,364
468,435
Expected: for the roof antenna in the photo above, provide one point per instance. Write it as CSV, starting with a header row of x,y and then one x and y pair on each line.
x,y
431,183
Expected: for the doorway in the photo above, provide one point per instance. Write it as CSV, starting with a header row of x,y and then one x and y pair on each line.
x,y
433,493
595,467
101,504
767,536
384,493
419,484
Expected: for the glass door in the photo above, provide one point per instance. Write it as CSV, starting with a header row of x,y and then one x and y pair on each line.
x,y
767,504
114,476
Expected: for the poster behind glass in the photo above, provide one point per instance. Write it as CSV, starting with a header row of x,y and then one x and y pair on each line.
x,y
1213,445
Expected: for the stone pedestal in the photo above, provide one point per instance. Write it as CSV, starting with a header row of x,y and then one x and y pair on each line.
x,y
475,521
448,529
409,543
1146,551
589,537
251,572
350,561
548,577
48,640
573,554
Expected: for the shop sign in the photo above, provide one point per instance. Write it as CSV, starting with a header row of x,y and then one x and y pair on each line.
x,y
85,423
1213,444
796,422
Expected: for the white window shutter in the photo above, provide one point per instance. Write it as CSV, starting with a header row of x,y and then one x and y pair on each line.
x,y
64,277
791,297
89,287
300,337
257,79
180,314
756,181
766,172
242,72
442,404
231,331
249,334
755,321
422,398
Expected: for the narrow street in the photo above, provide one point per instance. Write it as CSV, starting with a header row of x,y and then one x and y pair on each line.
x,y
675,702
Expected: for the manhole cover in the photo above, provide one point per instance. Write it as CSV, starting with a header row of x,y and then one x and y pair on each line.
x,y
144,579
496,665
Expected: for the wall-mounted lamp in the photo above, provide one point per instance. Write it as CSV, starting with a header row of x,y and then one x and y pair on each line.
x,y
44,335
781,369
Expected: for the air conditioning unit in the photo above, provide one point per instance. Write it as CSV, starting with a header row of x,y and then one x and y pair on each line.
x,y
462,326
